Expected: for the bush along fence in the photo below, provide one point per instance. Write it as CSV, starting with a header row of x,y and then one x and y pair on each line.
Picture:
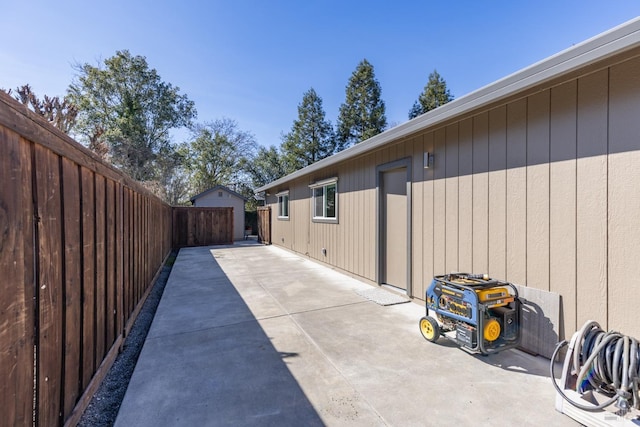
x,y
80,245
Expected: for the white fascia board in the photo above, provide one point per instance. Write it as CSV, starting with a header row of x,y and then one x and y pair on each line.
x,y
324,182
615,41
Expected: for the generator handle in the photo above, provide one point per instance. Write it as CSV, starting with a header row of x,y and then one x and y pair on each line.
x,y
446,278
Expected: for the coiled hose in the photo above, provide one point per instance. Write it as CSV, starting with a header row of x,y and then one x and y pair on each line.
x,y
605,361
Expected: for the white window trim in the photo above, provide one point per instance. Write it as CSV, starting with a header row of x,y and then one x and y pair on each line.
x,y
279,195
324,183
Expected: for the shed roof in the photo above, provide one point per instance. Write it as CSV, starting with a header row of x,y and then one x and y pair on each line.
x,y
216,188
615,41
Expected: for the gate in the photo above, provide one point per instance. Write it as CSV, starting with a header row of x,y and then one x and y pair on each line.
x,y
202,226
264,224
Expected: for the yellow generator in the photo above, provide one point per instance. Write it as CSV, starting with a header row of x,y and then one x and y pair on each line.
x,y
478,313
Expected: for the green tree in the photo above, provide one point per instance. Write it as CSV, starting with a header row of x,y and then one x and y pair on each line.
x,y
434,95
217,154
267,166
362,115
125,106
312,137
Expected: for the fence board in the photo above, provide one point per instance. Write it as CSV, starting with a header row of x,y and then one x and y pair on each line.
x,y
72,284
50,287
133,265
142,243
88,275
16,286
100,289
148,274
202,226
110,280
120,258
140,246
144,239
126,245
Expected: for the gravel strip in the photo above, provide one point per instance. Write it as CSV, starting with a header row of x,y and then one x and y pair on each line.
x,y
105,403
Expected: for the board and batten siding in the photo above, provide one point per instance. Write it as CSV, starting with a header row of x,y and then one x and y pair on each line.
x,y
542,190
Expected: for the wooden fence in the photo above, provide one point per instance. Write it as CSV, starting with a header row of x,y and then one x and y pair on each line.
x,y
264,224
80,244
202,226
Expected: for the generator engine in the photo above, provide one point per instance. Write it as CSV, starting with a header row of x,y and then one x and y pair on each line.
x,y
479,313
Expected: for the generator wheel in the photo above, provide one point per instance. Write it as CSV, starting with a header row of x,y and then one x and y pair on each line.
x,y
429,329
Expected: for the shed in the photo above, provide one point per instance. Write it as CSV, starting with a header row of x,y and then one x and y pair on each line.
x,y
222,197
534,179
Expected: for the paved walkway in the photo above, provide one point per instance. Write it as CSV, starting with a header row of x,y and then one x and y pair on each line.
x,y
251,335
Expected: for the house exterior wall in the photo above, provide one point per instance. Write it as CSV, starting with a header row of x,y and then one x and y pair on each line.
x,y
213,200
542,189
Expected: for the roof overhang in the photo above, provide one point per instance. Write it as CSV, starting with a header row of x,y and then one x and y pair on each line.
x,y
613,42
215,188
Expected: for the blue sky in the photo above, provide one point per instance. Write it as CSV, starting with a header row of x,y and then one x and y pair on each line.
x,y
252,61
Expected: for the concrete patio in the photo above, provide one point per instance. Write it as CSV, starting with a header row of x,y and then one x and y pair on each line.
x,y
254,335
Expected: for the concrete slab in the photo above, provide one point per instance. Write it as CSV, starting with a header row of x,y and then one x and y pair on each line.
x,y
255,335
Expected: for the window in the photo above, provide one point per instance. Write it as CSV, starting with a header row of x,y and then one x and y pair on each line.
x,y
283,205
219,193
325,200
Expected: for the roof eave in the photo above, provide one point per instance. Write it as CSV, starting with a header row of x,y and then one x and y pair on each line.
x,y
218,187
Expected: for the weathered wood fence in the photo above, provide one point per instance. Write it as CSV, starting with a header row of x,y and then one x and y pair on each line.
x,y
202,226
80,243
264,225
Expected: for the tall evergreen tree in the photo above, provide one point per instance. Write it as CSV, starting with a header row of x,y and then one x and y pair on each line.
x,y
312,137
362,115
434,95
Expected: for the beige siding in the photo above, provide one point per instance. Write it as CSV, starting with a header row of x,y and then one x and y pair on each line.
x,y
624,197
517,192
369,214
480,201
591,198
538,191
562,199
417,204
358,261
303,210
467,207
439,203
428,218
452,214
497,198
346,212
541,190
